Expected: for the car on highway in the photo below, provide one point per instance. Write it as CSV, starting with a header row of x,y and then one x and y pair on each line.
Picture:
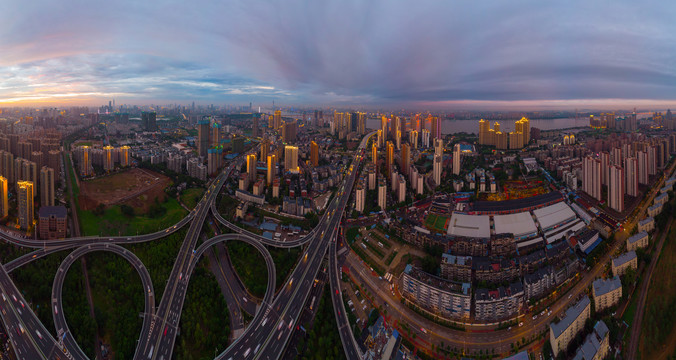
x,y
39,335
22,305
165,330
3,297
521,324
291,324
246,353
22,329
14,297
281,323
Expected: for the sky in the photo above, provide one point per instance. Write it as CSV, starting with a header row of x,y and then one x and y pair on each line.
x,y
427,53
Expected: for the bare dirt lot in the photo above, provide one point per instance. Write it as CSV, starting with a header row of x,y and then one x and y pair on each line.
x,y
135,187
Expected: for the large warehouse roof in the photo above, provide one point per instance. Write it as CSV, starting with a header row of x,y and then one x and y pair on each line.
x,y
477,226
554,214
519,224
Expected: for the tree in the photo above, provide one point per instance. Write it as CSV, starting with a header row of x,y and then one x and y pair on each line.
x,y
127,210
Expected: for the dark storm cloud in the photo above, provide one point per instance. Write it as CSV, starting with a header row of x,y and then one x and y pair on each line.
x,y
347,51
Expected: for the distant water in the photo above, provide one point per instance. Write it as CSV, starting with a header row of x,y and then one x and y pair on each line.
x,y
472,126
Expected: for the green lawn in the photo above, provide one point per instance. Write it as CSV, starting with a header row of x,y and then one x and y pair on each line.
x,y
190,197
430,220
114,223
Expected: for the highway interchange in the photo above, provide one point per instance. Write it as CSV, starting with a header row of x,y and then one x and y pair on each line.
x,y
264,338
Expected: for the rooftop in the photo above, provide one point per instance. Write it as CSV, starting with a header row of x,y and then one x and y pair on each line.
x,y
56,211
453,259
437,282
516,204
519,224
602,287
571,314
554,214
647,220
472,226
624,258
637,237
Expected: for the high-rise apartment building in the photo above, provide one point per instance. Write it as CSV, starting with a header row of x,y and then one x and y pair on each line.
x,y
291,159
605,168
108,158
86,161
436,127
271,169
405,158
382,192
436,169
251,167
46,186
360,197
314,154
425,137
642,167
631,174
277,119
374,154
616,188
457,154
25,204
215,134
4,192
591,183
124,156
389,161
149,120
414,139
203,137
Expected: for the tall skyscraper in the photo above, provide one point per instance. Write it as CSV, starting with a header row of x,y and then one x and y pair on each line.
x,y
642,167
382,192
149,120
405,158
436,169
383,128
631,174
374,154
291,159
124,156
605,168
254,128
25,204
456,159
389,161
616,188
85,162
203,137
436,127
361,123
4,204
314,154
215,134
108,159
277,119
592,177
46,186
439,147
251,167
484,127
271,169
414,139
289,130
425,138
360,197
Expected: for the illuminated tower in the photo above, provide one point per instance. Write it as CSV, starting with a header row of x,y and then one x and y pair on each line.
x,y
456,159
314,154
436,127
277,119
108,159
124,156
85,163
374,154
484,126
25,204
291,159
271,169
414,139
4,205
390,158
251,167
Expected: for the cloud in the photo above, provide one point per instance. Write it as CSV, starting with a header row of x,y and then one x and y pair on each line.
x,y
339,51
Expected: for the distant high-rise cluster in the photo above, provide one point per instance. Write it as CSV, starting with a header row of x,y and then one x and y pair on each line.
x,y
149,120
516,139
626,123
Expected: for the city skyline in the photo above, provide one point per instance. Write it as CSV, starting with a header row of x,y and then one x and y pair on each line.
x,y
430,55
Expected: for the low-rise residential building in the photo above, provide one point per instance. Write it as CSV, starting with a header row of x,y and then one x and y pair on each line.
x,y
52,222
561,333
654,210
622,263
538,283
661,199
639,240
606,292
458,268
494,270
441,296
647,224
247,196
596,345
498,304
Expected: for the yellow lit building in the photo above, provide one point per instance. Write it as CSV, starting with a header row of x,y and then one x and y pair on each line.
x,y
124,156
277,119
271,168
251,166
314,154
108,159
390,158
25,204
291,159
4,205
374,154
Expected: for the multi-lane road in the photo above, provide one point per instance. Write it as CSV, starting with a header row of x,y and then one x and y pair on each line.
x,y
268,332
